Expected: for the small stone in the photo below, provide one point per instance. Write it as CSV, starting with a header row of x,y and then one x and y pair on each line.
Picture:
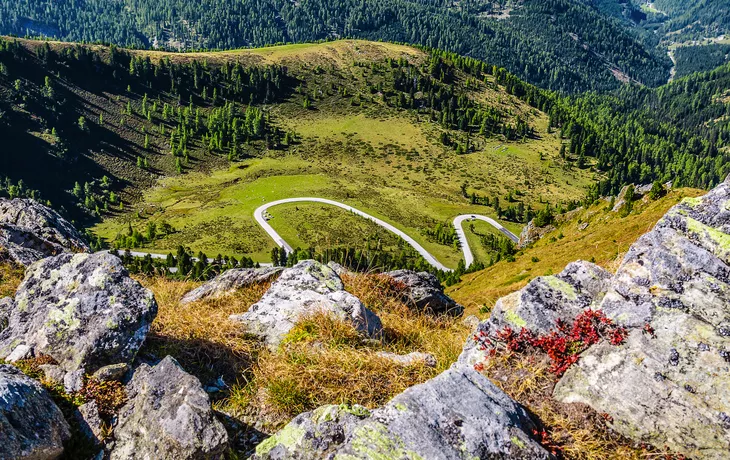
x,y
411,359
73,381
111,372
703,347
53,372
471,322
20,352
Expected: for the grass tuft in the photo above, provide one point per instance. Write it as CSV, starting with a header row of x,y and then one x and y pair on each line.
x,y
199,334
11,275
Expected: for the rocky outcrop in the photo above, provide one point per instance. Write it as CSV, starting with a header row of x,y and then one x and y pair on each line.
x,y
32,427
168,416
620,200
545,300
82,310
531,233
548,298
308,287
459,414
230,281
30,231
424,292
667,385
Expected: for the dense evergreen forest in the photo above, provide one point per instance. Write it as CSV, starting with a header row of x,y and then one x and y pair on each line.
x,y
703,58
695,19
679,132
564,45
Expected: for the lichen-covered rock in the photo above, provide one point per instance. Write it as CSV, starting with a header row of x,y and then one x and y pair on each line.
x,y
30,231
424,292
545,300
667,385
89,421
32,427
82,310
304,289
168,416
316,434
230,281
459,414
339,269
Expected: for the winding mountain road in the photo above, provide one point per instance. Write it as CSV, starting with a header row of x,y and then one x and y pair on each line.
x,y
260,216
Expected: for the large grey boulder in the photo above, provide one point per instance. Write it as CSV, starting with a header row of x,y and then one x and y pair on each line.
x,y
83,310
308,287
667,385
168,416
539,305
459,414
424,292
313,435
30,231
32,427
230,281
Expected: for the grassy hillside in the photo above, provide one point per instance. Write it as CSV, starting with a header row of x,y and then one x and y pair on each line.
x,y
399,132
604,240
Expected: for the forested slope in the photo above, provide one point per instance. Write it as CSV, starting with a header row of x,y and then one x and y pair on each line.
x,y
564,45
695,19
679,132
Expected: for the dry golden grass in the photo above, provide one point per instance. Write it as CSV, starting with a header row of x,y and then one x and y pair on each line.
x,y
605,241
321,361
305,375
11,275
325,361
199,334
